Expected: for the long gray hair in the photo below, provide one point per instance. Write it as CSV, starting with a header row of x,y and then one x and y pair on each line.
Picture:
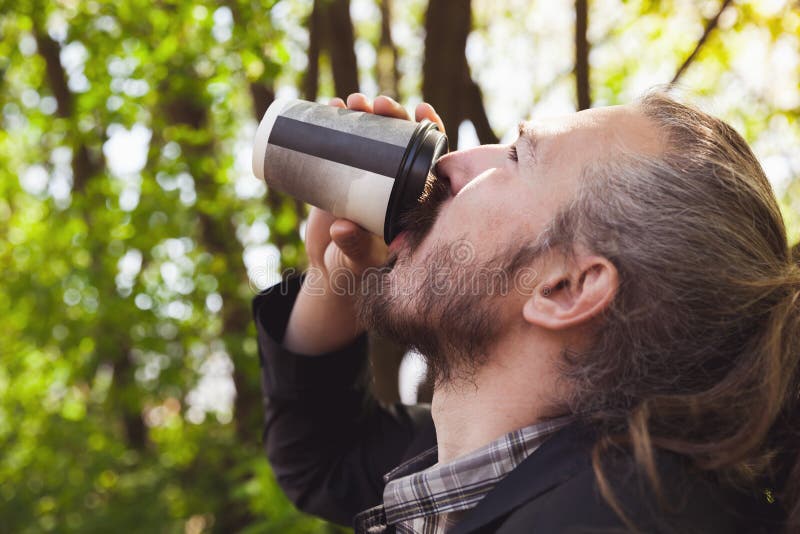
x,y
698,353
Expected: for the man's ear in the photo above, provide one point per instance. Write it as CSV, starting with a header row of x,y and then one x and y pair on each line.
x,y
572,294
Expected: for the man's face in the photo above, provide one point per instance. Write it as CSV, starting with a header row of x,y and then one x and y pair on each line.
x,y
448,288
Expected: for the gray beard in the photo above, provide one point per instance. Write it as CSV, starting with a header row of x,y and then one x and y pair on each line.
x,y
454,316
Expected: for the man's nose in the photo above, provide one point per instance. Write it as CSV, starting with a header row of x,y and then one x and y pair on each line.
x,y
462,166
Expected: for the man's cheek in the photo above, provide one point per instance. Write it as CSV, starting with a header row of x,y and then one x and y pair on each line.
x,y
459,220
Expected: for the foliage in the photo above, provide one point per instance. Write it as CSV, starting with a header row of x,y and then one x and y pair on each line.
x,y
125,295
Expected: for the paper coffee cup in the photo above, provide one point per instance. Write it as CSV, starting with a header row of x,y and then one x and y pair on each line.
x,y
360,166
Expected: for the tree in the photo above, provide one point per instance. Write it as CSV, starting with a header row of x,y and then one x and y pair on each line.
x,y
447,84
386,65
123,302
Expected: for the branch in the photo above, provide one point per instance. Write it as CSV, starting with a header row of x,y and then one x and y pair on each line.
x,y
582,54
710,26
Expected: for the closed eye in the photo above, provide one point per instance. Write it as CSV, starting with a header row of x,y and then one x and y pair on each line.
x,y
512,153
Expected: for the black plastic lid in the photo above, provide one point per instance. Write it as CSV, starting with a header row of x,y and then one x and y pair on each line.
x,y
425,147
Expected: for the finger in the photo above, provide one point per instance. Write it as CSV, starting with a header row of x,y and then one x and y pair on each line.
x,y
359,102
317,233
384,105
426,111
319,218
353,240
337,102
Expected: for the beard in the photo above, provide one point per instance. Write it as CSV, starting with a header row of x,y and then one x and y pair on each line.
x,y
452,310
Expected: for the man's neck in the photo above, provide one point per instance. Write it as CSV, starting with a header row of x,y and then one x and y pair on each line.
x,y
511,391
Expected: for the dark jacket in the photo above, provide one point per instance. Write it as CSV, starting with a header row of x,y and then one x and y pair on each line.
x,y
330,443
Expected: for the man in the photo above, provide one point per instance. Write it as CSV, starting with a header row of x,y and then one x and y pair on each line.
x,y
610,312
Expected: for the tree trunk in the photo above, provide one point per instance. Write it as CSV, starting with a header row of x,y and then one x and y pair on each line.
x,y
132,422
333,30
84,164
387,73
447,84
385,358
582,54
262,96
311,76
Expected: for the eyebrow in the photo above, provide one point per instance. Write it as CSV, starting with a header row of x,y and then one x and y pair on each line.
x,y
527,134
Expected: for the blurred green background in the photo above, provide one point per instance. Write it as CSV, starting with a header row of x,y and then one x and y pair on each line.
x,y
133,234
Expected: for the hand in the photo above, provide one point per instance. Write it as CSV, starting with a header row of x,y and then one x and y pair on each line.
x,y
333,244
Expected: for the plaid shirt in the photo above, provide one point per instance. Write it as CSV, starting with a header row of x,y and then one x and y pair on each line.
x,y
422,496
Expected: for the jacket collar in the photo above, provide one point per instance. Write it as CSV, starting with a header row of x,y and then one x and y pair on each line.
x,y
556,461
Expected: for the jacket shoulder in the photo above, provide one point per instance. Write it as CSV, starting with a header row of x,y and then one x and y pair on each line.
x,y
689,503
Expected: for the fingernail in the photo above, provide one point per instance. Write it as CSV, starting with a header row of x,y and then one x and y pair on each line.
x,y
355,95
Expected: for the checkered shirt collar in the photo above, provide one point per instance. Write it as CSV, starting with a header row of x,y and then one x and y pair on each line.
x,y
421,487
